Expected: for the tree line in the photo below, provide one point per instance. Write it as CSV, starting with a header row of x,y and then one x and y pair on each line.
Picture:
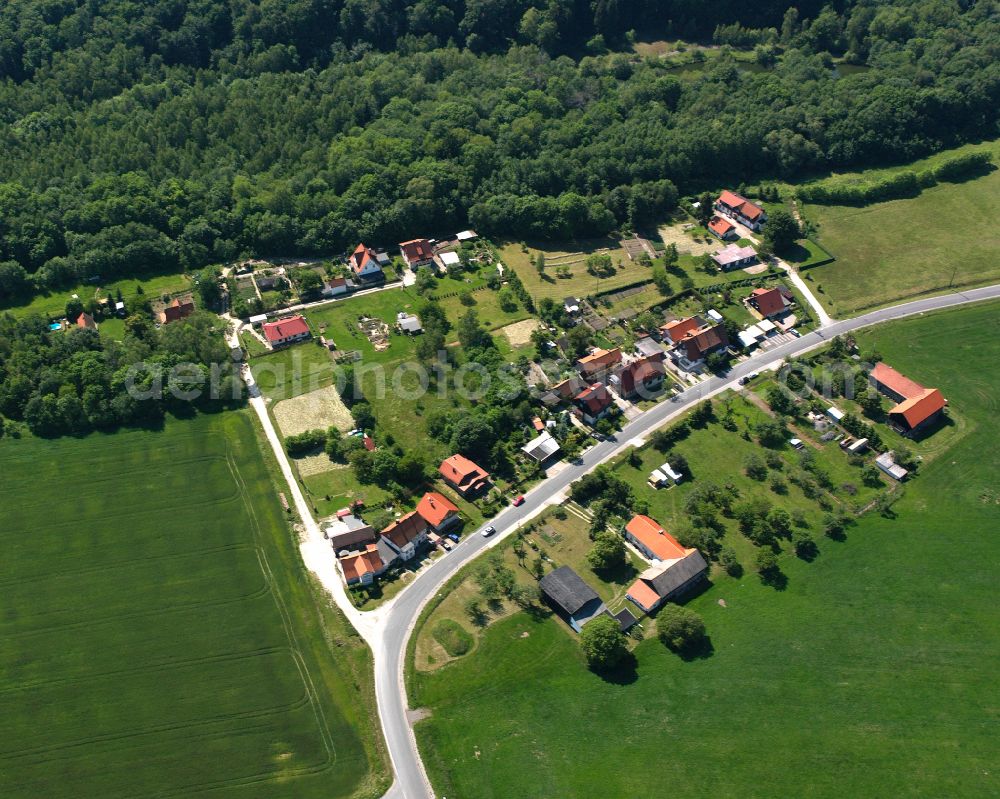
x,y
162,136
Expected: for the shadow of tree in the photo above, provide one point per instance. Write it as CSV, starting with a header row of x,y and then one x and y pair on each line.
x,y
624,672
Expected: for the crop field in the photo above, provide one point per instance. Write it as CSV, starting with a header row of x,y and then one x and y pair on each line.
x,y
159,635
889,251
873,671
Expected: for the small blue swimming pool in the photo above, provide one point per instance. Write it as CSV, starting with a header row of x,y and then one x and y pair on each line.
x,y
55,326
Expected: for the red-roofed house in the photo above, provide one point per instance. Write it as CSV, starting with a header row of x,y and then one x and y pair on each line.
x,y
175,311
86,321
675,331
667,580
695,347
598,363
369,443
768,302
361,567
463,475
364,264
417,253
407,534
642,377
917,407
741,209
286,331
649,537
721,228
594,403
438,511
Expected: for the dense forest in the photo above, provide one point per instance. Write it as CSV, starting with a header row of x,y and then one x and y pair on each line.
x,y
159,135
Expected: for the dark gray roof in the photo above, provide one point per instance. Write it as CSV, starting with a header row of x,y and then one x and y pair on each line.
x,y
624,618
678,573
564,587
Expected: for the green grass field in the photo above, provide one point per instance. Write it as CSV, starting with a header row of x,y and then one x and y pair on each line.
x,y
872,674
890,251
160,635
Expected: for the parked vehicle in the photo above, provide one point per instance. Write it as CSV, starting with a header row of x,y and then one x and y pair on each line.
x,y
453,537
488,531
518,501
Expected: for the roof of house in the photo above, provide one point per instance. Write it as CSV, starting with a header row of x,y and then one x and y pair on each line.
x,y
643,593
768,301
357,564
664,580
920,408
679,328
896,382
640,371
368,442
416,250
435,508
651,535
595,398
542,447
460,470
450,258
177,310
409,322
336,282
704,341
405,529
538,424
738,203
720,226
285,328
87,321
569,387
565,587
363,258
732,253
600,359
466,235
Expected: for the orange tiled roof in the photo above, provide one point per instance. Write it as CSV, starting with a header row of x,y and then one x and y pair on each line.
x,y
679,328
652,536
896,382
720,226
921,407
458,469
357,564
601,359
435,508
405,529
731,199
642,593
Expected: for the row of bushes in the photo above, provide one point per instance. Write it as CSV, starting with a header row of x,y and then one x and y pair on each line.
x,y
892,187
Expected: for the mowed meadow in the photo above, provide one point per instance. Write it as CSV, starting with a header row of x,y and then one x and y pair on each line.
x,y
873,673
158,634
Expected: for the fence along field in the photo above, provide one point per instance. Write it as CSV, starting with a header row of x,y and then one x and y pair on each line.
x,y
147,645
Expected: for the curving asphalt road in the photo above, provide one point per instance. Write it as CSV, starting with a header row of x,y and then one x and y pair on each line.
x,y
396,626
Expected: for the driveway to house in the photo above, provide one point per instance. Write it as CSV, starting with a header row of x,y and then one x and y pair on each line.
x,y
825,320
388,628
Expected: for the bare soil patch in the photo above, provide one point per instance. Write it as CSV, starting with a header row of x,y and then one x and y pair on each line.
x,y
317,464
318,409
519,333
686,243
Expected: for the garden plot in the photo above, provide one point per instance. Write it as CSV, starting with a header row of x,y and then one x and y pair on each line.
x,y
318,409
519,333
686,243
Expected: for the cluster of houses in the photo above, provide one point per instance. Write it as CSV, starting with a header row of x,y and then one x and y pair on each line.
x,y
731,207
692,339
364,554
673,571
433,252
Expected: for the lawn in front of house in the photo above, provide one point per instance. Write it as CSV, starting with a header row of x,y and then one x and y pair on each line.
x,y
875,665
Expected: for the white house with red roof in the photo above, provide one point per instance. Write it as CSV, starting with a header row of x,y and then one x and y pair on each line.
x,y
283,332
417,253
364,264
741,210
438,511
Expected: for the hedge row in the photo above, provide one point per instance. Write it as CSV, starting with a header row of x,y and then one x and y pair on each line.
x,y
893,187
